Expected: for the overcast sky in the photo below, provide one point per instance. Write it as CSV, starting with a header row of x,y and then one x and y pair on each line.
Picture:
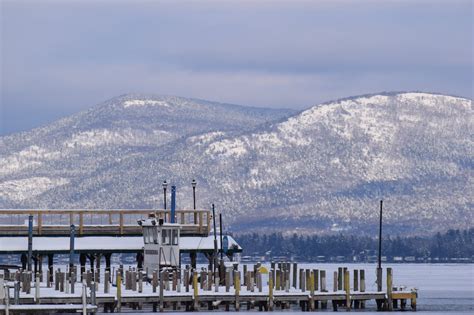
x,y
59,57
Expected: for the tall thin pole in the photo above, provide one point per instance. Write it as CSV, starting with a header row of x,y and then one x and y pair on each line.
x,y
164,194
72,235
215,236
173,204
379,268
380,235
30,241
220,227
193,183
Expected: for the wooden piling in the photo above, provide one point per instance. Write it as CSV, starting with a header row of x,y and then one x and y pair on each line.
x,y
270,291
389,289
195,291
311,289
347,289
237,290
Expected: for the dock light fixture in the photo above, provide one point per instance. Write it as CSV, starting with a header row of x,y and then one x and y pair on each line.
x,y
165,185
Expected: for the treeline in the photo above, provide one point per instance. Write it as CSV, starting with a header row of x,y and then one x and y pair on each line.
x,y
452,244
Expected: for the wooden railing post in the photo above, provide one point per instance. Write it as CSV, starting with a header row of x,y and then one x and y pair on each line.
x,y
200,221
40,223
81,223
121,223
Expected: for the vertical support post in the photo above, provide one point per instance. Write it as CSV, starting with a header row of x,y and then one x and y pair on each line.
x,y
72,234
30,241
389,289
215,238
40,223
195,290
379,267
193,183
173,204
270,291
220,232
119,290
340,279
84,298
121,223
165,185
347,289
295,276
311,290
81,223
237,290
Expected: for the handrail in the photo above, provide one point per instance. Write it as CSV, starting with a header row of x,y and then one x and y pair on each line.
x,y
201,222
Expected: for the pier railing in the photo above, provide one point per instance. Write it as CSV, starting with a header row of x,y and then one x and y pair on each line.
x,y
98,222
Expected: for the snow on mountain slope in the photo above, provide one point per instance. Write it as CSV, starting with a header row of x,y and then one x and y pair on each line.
x,y
329,164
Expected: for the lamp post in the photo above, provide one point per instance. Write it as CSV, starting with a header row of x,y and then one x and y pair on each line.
x,y
193,183
165,185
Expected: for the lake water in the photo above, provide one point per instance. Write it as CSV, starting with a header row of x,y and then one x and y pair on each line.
x,y
442,288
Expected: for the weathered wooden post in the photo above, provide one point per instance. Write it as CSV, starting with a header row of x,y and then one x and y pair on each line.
x,y
356,287
335,284
84,297
389,289
37,289
73,281
311,289
134,280
140,281
277,279
162,300
107,282
195,291
227,281
186,279
339,278
347,289
270,291
16,293
119,290
295,275
237,290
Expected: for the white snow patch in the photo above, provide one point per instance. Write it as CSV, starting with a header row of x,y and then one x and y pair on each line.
x,y
135,103
98,137
32,156
207,137
21,189
227,148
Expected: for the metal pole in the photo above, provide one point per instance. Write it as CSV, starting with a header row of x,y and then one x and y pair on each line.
x,y
215,235
173,204
164,197
71,247
193,183
379,268
30,241
220,227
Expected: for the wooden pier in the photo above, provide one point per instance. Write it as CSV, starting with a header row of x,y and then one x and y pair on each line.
x,y
229,288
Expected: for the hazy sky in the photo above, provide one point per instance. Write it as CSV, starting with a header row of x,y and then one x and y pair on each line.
x,y
58,57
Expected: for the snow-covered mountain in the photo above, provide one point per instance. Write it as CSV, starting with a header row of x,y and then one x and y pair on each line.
x,y
321,169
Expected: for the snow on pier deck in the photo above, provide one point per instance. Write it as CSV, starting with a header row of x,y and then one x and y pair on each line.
x,y
283,287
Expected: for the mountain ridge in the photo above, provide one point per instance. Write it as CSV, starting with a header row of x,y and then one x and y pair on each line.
x,y
342,155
